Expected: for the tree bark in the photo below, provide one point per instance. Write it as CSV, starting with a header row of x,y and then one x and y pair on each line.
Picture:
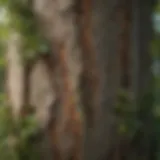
x,y
73,89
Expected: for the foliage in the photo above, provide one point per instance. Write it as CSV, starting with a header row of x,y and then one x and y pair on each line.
x,y
21,19
15,138
125,110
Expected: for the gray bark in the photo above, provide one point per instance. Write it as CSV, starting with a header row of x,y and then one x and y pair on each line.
x,y
106,36
142,78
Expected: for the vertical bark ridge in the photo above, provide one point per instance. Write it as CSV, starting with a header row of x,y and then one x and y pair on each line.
x,y
68,121
90,73
124,16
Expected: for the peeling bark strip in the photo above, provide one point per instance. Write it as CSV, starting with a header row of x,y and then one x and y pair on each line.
x,y
91,74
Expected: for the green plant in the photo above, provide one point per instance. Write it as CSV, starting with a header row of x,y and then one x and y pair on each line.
x,y
15,139
22,20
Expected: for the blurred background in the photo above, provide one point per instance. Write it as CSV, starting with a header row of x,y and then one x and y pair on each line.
x,y
122,88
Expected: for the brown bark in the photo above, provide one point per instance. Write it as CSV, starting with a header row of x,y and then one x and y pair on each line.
x,y
91,73
88,63
60,28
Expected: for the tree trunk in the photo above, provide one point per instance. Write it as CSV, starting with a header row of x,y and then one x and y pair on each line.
x,y
142,77
73,89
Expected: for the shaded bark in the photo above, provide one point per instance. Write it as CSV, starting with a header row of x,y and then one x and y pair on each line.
x,y
142,86
106,37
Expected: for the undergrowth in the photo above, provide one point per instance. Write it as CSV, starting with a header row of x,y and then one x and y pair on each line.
x,y
16,140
